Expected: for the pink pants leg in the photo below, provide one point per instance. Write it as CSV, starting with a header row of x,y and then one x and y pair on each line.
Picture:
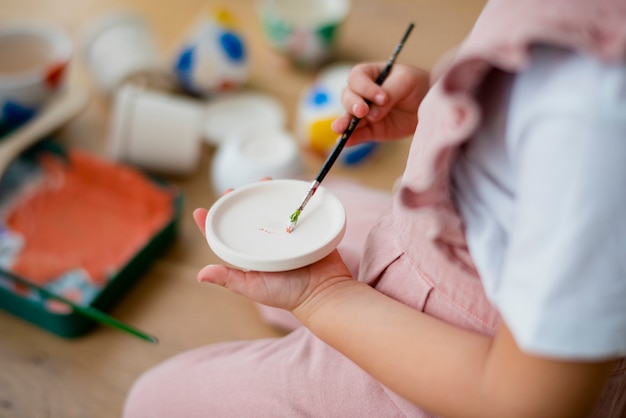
x,y
293,376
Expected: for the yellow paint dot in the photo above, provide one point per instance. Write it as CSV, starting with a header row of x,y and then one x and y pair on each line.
x,y
225,18
321,136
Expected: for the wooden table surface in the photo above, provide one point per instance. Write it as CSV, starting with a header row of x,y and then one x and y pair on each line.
x,y
42,375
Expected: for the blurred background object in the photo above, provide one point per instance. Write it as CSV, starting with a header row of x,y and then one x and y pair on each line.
x,y
118,46
304,31
248,156
319,105
155,131
213,58
34,60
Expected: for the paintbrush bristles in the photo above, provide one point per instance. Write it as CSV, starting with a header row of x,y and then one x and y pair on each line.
x,y
293,219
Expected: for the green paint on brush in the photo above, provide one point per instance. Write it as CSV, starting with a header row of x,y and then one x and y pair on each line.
x,y
294,216
292,220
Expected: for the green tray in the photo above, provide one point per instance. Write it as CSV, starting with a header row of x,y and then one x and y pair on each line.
x,y
71,325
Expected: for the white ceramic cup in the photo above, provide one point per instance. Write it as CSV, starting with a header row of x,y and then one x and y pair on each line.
x,y
118,45
34,61
156,131
252,155
305,31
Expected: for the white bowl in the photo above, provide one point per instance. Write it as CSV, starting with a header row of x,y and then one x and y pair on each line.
x,y
34,61
249,156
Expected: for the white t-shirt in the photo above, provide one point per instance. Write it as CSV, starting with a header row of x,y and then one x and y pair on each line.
x,y
542,191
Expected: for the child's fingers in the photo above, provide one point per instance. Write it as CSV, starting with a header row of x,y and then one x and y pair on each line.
x,y
235,280
361,82
340,124
362,88
214,273
199,216
354,104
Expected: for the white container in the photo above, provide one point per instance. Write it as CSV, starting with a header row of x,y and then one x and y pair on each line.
x,y
304,31
213,59
34,60
118,45
156,131
242,111
252,155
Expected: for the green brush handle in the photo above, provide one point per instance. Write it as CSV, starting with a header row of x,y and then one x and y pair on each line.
x,y
86,311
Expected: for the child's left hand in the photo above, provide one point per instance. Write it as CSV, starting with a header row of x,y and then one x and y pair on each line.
x,y
286,290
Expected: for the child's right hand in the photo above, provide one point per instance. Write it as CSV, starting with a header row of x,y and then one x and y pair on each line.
x,y
392,113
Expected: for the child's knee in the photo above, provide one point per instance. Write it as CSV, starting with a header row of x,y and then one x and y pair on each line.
x,y
152,393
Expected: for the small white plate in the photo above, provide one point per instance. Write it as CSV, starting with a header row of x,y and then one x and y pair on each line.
x,y
247,227
241,111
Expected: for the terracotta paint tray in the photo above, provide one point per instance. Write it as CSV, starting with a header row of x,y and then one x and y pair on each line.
x,y
83,228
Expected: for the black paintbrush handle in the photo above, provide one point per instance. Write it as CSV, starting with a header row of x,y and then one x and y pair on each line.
x,y
330,160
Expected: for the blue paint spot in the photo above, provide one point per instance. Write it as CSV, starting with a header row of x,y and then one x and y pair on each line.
x,y
318,97
185,60
233,46
14,114
357,153
183,69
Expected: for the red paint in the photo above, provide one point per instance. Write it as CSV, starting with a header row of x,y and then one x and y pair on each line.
x,y
54,75
89,214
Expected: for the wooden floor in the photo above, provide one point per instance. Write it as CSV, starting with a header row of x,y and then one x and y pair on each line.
x,y
42,375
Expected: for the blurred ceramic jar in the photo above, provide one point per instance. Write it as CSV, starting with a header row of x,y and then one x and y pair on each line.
x,y
34,61
213,58
119,48
304,31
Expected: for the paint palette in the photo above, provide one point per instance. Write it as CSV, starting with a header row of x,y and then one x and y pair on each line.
x,y
82,228
247,228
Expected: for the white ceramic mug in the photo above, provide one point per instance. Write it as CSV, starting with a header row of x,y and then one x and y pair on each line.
x,y
34,61
156,131
117,46
305,31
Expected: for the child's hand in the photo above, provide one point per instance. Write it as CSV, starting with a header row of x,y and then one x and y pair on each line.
x,y
393,111
286,290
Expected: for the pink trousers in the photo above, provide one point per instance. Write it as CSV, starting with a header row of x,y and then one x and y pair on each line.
x,y
300,376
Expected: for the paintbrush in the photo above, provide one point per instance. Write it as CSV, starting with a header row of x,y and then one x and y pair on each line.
x,y
330,160
87,311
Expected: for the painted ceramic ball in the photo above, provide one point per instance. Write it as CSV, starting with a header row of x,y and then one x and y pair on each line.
x,y
320,104
214,59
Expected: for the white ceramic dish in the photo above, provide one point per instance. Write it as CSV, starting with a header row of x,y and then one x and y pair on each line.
x,y
246,228
246,159
245,111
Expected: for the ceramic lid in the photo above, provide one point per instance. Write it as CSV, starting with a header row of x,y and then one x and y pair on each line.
x,y
246,228
231,113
